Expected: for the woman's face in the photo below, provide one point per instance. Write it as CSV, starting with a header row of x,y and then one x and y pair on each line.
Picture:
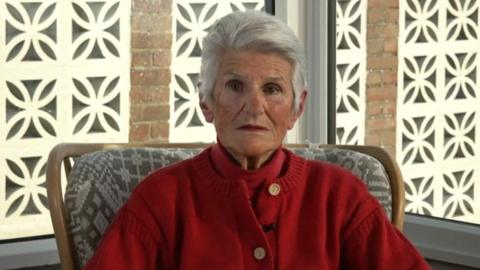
x,y
252,105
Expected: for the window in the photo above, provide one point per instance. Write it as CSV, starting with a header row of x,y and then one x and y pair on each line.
x,y
64,76
427,114
438,112
430,50
351,69
421,104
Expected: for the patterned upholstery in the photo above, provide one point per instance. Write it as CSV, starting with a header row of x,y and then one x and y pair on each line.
x,y
101,182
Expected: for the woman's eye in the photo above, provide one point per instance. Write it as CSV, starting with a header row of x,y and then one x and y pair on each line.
x,y
234,85
272,89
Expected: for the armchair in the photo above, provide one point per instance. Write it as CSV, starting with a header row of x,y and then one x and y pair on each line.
x,y
104,175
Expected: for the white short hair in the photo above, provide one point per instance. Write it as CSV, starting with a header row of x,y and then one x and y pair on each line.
x,y
252,31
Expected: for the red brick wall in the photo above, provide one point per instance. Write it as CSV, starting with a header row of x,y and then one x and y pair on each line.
x,y
150,70
382,59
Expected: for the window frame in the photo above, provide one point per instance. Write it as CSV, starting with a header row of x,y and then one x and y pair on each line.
x,y
301,16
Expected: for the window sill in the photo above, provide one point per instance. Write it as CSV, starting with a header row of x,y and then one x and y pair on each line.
x,y
28,253
444,240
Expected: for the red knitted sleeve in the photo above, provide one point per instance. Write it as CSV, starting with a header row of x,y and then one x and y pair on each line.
x,y
376,244
131,242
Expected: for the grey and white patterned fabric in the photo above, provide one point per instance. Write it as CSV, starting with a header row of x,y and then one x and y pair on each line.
x,y
101,182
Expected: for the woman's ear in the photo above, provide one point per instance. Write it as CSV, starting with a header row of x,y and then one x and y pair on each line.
x,y
298,112
301,105
206,110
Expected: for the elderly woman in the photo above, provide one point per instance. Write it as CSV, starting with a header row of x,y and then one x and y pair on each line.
x,y
245,202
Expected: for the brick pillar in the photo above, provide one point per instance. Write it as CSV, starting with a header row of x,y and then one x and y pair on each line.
x,y
382,60
151,28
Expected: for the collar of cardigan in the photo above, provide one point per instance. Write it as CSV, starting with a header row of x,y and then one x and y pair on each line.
x,y
205,170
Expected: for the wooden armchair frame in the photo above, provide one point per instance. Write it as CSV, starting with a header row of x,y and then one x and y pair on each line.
x,y
63,154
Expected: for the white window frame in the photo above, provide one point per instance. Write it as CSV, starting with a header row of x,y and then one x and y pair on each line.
x,y
301,15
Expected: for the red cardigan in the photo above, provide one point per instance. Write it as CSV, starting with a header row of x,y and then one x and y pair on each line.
x,y
306,215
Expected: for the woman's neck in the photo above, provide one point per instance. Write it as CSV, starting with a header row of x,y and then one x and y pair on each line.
x,y
249,162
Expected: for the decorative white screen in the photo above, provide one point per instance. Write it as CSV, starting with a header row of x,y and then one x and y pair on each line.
x,y
351,71
438,113
64,76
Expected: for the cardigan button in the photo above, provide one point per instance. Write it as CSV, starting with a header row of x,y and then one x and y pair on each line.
x,y
274,189
259,253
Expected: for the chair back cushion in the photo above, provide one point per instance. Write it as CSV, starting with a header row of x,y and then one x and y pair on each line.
x,y
101,182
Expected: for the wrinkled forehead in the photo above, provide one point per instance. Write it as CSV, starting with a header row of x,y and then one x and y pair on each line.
x,y
247,64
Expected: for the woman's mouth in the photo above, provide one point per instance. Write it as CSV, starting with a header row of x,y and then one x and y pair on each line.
x,y
252,128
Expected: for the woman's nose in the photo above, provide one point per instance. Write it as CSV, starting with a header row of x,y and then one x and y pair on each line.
x,y
255,102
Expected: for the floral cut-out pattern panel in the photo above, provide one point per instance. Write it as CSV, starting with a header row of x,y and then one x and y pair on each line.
x,y
64,76
438,107
191,21
351,71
